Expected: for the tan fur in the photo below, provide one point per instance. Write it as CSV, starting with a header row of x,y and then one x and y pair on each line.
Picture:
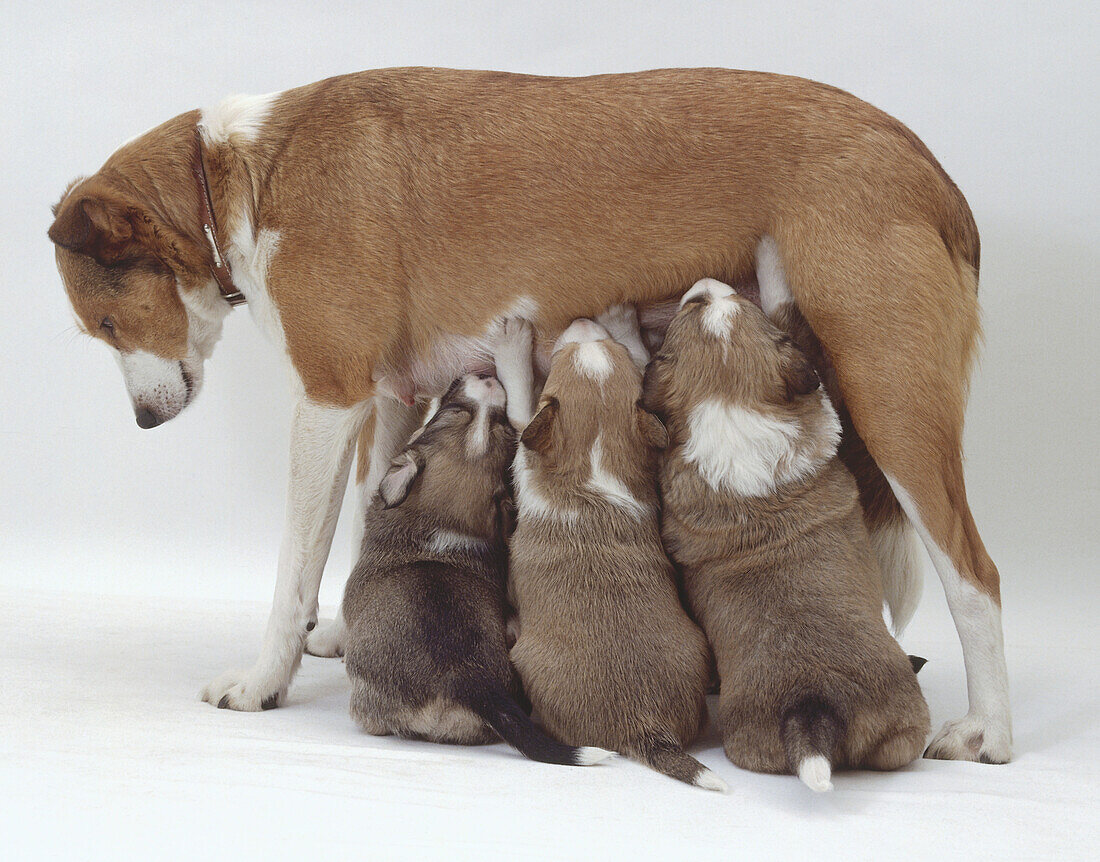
x,y
784,584
428,184
607,655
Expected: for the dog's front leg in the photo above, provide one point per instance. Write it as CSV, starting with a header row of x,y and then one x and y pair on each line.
x,y
322,439
394,422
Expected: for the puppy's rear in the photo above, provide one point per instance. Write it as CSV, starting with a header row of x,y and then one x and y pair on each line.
x,y
765,524
606,652
425,605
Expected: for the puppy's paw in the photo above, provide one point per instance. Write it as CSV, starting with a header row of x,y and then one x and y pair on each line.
x,y
621,322
512,355
242,691
513,344
327,639
972,737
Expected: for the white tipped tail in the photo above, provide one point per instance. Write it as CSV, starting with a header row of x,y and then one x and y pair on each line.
x,y
589,754
816,773
709,781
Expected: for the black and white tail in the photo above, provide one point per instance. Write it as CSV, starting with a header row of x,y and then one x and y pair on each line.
x,y
501,712
810,731
663,753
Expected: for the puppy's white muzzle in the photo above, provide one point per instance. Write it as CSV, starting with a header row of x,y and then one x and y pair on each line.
x,y
709,288
581,331
484,390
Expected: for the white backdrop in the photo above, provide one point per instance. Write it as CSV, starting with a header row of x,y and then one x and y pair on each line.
x,y
1005,94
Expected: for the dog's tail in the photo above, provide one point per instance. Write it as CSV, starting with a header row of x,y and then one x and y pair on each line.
x,y
810,731
493,704
901,561
663,753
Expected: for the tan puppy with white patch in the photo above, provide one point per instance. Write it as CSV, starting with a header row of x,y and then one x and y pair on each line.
x,y
764,522
381,225
605,650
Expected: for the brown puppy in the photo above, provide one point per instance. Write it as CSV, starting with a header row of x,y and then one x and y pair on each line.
x,y
606,653
765,523
425,604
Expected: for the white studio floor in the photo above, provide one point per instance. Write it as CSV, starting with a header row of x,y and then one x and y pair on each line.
x,y
108,753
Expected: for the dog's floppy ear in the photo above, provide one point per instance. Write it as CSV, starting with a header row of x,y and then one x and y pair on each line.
x,y
106,225
95,225
398,480
539,431
652,429
799,376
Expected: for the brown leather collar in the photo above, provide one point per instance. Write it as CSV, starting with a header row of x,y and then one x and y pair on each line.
x,y
220,270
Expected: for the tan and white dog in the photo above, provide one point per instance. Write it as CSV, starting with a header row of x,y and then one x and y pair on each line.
x,y
381,225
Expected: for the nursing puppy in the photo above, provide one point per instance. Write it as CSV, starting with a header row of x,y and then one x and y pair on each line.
x,y
606,652
425,605
765,524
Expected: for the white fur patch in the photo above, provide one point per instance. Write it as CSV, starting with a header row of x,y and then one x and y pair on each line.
x,y
720,309
477,437
154,383
447,541
610,487
816,773
978,621
589,754
250,254
774,289
709,287
530,503
206,312
236,119
750,453
592,360
710,781
897,550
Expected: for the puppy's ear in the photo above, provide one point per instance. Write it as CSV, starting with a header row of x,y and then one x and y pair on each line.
x,y
799,376
398,480
506,514
652,429
538,434
650,383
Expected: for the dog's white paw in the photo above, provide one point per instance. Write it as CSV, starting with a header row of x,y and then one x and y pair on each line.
x,y
327,639
243,691
621,322
972,737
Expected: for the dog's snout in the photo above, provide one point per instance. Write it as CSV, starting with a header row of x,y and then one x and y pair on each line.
x,y
146,418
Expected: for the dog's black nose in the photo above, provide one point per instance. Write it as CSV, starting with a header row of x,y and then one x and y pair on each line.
x,y
146,418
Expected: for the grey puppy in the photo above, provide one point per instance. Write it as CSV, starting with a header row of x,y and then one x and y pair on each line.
x,y
425,605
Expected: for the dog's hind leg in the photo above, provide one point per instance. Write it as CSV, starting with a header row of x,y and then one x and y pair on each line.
x,y
893,538
898,315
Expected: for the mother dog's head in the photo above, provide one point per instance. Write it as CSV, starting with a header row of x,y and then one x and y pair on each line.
x,y
137,269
